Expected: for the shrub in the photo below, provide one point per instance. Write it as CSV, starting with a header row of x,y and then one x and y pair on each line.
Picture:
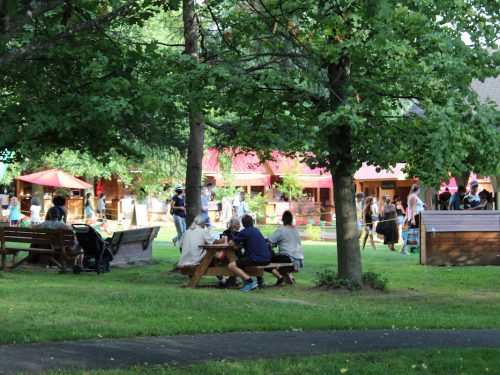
x,y
375,280
313,232
331,278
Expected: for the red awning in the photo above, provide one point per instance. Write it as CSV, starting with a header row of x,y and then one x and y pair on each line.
x,y
56,178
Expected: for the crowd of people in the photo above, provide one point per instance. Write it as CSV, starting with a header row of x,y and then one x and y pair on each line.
x,y
388,219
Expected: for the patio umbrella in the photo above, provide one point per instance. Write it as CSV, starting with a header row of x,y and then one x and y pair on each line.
x,y
55,177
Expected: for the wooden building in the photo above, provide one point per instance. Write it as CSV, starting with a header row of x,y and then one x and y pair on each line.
x,y
462,238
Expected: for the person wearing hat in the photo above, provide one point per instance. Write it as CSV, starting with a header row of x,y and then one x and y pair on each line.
x,y
472,201
179,212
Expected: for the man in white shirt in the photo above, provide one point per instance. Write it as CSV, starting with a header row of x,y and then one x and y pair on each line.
x,y
196,236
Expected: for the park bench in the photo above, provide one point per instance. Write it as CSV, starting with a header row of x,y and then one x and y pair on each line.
x,y
53,243
196,272
460,238
133,245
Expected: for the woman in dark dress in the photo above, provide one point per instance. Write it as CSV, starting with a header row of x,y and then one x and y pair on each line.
x,y
368,222
390,219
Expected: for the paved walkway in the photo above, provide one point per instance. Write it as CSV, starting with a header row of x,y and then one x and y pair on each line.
x,y
113,353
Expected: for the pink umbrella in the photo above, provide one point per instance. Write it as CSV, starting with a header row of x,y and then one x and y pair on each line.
x,y
55,177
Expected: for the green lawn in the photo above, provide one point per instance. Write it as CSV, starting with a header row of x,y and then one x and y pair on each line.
x,y
445,362
41,305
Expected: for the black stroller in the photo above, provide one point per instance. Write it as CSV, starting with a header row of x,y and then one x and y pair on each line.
x,y
97,254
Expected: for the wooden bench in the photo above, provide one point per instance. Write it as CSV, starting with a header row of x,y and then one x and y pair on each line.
x,y
133,245
257,271
41,241
196,272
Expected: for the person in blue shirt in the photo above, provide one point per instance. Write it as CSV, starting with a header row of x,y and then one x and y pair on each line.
x,y
256,253
204,206
456,198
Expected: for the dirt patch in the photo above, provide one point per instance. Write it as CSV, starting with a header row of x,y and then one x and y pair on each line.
x,y
343,290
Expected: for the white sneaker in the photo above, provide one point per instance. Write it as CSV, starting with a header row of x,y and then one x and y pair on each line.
x,y
403,252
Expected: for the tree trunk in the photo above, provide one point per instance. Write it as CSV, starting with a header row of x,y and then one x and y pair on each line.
x,y
342,166
348,252
196,125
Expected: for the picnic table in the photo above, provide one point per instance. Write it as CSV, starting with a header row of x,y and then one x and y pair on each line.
x,y
206,268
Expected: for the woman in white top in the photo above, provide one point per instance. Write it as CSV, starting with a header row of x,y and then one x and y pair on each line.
x,y
35,209
287,238
415,207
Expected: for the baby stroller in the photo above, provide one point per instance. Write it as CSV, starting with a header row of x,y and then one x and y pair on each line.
x,y
97,254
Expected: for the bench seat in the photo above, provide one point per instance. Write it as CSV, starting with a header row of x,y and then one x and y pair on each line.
x,y
45,241
251,271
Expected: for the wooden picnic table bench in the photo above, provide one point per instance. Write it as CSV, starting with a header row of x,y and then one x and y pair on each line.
x,y
53,243
133,245
205,268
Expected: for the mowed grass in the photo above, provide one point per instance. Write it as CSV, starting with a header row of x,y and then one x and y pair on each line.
x,y
43,305
395,362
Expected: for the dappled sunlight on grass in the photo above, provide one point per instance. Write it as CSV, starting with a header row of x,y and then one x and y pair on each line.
x,y
39,304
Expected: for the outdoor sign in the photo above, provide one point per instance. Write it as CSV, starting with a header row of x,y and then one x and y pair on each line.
x,y
139,215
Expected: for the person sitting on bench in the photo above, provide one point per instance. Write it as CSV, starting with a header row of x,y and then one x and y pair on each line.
x,y
256,253
192,242
233,230
53,221
290,249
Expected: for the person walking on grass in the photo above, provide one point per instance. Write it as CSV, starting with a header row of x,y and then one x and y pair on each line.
x,y
389,221
415,208
400,212
256,253
179,212
14,212
368,222
360,197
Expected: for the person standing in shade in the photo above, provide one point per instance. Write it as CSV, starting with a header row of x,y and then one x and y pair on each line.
x,y
472,200
15,212
243,208
179,212
400,212
101,206
359,211
415,208
35,209
368,222
390,225
204,199
456,199
89,209
4,201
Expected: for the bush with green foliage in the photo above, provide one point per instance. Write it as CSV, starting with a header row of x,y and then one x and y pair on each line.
x,y
331,278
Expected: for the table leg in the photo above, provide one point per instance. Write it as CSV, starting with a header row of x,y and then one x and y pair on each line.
x,y
201,269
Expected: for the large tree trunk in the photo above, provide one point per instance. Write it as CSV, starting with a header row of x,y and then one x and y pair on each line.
x,y
342,166
196,125
348,252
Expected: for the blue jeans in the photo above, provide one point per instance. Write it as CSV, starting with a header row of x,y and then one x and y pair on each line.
x,y
180,226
